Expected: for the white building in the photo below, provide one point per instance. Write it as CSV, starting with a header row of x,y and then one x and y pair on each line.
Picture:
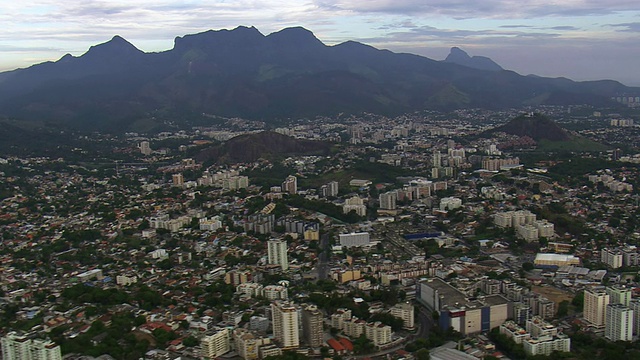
x,y
611,257
388,200
595,305
126,280
277,253
406,312
210,224
545,345
378,333
275,292
635,306
356,204
19,347
528,233
545,228
145,149
538,327
250,289
619,323
514,332
450,203
290,185
354,239
619,295
284,316
216,344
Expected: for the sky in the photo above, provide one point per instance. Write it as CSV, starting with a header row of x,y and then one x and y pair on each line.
x,y
577,39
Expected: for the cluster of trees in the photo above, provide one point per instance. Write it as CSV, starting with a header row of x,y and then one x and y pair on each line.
x,y
324,207
116,339
145,297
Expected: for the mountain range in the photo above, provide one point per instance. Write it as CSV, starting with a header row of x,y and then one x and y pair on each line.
x,y
289,73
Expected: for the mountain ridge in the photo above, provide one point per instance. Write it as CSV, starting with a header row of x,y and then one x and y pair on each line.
x,y
244,73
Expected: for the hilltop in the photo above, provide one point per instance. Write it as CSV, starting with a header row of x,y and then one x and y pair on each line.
x,y
262,145
536,126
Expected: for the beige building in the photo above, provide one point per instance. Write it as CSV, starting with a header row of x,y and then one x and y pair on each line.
x,y
214,345
595,306
248,343
284,317
555,260
406,312
378,333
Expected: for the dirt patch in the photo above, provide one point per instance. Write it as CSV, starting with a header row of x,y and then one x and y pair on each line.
x,y
143,335
554,294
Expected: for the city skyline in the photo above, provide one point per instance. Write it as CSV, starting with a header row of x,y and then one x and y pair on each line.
x,y
581,39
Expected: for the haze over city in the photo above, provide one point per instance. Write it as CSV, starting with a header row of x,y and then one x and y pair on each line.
x,y
581,40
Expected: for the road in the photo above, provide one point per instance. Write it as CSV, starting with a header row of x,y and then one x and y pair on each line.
x,y
425,322
323,259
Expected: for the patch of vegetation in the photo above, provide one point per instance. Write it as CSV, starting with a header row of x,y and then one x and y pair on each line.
x,y
576,144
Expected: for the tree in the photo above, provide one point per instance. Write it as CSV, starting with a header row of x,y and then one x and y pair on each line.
x,y
422,354
563,308
190,341
578,300
527,266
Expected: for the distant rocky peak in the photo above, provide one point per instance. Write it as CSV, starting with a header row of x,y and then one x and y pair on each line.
x,y
295,36
117,46
460,57
457,54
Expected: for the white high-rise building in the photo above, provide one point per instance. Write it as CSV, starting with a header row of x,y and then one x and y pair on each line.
x,y
595,305
635,306
145,149
284,317
388,200
216,344
619,323
332,188
20,347
277,253
290,185
619,295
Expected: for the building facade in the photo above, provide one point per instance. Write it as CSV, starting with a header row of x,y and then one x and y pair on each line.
x,y
619,323
277,253
595,305
284,317
17,346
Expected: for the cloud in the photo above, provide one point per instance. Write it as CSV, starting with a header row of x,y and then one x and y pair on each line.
x,y
563,28
515,26
501,9
628,27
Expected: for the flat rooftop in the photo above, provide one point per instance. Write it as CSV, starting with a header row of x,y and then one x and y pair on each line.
x,y
449,295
